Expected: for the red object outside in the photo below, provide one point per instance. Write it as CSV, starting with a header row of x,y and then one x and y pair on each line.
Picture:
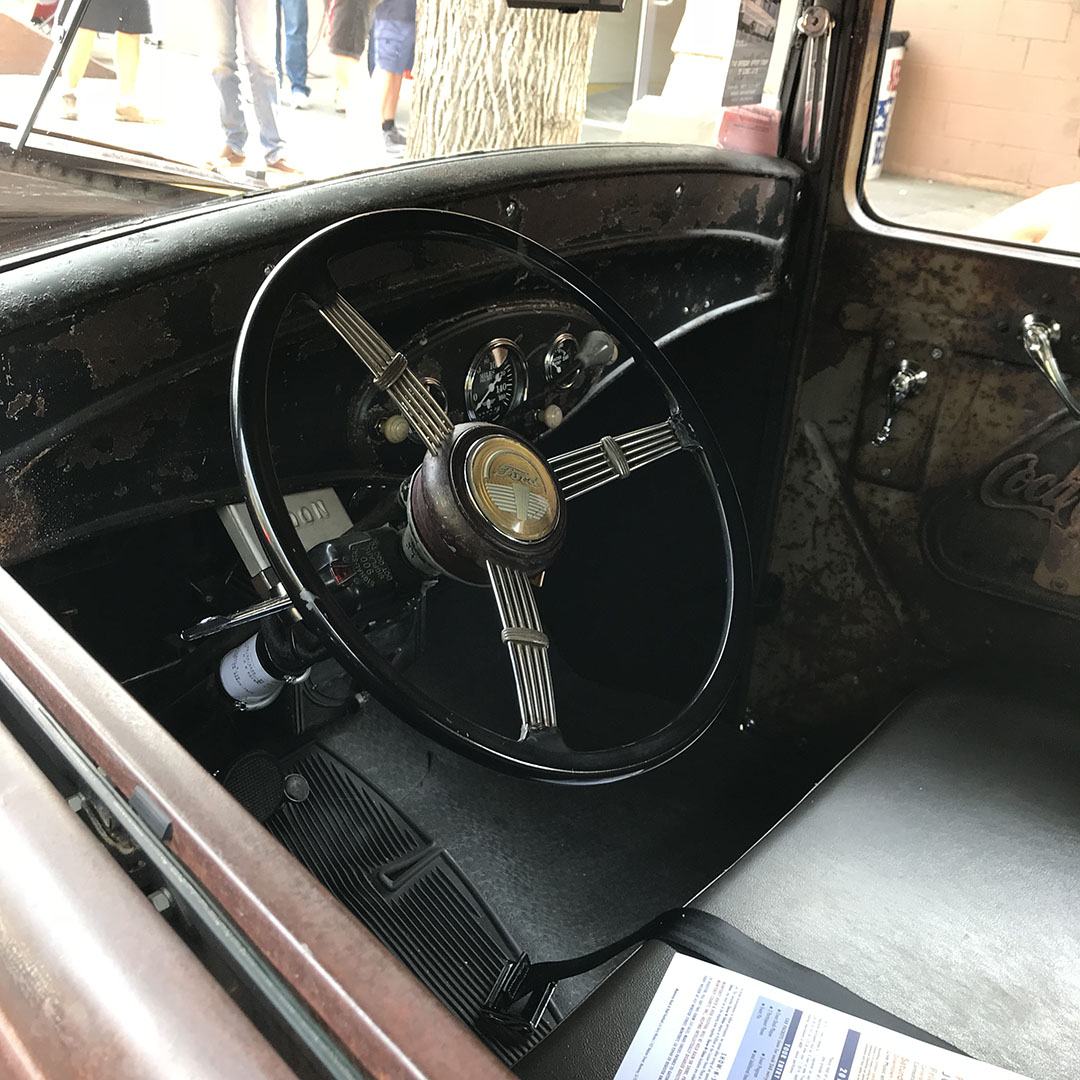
x,y
752,129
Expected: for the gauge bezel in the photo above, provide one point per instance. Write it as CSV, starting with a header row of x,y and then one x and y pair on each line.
x,y
550,375
521,385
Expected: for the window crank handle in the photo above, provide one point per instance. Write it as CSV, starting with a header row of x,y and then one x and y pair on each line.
x,y
1039,336
907,382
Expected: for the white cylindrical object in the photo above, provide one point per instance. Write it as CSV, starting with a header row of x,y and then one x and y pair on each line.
x,y
245,679
886,102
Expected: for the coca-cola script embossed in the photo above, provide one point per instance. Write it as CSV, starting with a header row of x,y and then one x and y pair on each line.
x,y
1017,484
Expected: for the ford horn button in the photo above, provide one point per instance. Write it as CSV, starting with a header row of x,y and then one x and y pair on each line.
x,y
512,488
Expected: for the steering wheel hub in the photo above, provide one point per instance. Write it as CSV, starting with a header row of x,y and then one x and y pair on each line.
x,y
487,496
511,486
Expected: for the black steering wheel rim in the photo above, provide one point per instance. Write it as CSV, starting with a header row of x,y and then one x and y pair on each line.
x,y
304,270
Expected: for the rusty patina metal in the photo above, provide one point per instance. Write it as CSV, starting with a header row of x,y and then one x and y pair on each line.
x,y
867,614
80,945
375,1008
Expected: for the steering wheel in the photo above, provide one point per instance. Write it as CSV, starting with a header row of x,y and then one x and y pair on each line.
x,y
485,506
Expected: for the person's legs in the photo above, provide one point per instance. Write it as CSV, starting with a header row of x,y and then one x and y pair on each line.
x,y
388,90
222,25
394,43
255,26
127,62
344,68
79,55
279,16
132,21
295,18
348,36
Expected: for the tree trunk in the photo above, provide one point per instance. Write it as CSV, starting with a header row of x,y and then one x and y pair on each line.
x,y
489,77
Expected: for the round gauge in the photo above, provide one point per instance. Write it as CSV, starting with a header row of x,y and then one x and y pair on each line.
x,y
497,381
560,359
438,392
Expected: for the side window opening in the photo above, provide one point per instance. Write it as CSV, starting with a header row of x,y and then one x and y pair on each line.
x,y
976,126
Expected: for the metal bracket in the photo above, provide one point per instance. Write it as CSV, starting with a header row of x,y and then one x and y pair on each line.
x,y
514,1007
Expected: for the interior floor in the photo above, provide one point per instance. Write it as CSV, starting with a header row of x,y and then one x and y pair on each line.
x,y
567,869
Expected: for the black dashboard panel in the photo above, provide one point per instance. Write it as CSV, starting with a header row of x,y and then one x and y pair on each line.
x,y
116,353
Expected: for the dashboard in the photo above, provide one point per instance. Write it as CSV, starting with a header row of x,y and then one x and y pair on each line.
x,y
515,366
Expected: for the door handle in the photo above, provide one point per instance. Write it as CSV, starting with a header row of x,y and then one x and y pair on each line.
x,y
1038,336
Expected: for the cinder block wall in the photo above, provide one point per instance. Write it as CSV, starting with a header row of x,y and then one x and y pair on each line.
x,y
989,93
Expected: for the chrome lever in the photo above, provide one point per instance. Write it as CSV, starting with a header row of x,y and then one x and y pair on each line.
x,y
816,25
1038,337
215,624
908,382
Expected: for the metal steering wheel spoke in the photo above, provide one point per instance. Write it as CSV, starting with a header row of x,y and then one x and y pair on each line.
x,y
616,457
390,371
524,637
486,506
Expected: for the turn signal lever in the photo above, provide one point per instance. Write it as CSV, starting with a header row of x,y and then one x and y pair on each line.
x,y
1038,337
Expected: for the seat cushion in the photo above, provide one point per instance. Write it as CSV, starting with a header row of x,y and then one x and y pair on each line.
x,y
935,872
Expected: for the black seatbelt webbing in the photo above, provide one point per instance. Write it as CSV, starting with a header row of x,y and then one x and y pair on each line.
x,y
524,990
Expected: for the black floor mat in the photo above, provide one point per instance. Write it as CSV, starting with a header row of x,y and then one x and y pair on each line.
x,y
569,869
406,889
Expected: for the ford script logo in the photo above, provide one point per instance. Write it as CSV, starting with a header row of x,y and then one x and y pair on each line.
x,y
506,471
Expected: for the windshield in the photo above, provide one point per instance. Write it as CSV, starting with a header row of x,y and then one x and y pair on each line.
x,y
121,109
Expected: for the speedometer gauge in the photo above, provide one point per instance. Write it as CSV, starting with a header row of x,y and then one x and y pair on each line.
x,y
497,381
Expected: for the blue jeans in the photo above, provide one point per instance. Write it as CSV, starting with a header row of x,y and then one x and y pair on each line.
x,y
293,23
256,20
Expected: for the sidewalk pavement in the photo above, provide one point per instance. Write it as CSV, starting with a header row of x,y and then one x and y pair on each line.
x,y
177,91
933,204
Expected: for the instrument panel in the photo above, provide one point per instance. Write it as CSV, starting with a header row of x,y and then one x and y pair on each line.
x,y
518,366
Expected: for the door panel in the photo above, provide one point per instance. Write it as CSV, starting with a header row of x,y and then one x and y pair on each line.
x,y
953,543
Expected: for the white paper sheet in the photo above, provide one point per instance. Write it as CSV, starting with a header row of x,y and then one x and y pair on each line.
x,y
708,1023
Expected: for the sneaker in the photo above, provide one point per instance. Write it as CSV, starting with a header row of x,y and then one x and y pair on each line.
x,y
282,168
299,100
340,95
394,142
69,106
229,158
131,113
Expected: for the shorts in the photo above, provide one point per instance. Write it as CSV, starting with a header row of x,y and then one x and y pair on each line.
x,y
118,16
393,45
349,23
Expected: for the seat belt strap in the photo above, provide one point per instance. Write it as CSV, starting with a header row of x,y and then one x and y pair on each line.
x,y
523,991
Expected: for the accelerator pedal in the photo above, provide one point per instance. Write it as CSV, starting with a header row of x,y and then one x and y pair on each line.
x,y
406,890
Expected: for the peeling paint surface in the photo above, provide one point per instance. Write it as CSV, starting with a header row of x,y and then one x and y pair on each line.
x,y
106,339
116,382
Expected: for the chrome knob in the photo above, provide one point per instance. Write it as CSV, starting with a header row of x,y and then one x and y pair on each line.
x,y
1038,336
907,382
